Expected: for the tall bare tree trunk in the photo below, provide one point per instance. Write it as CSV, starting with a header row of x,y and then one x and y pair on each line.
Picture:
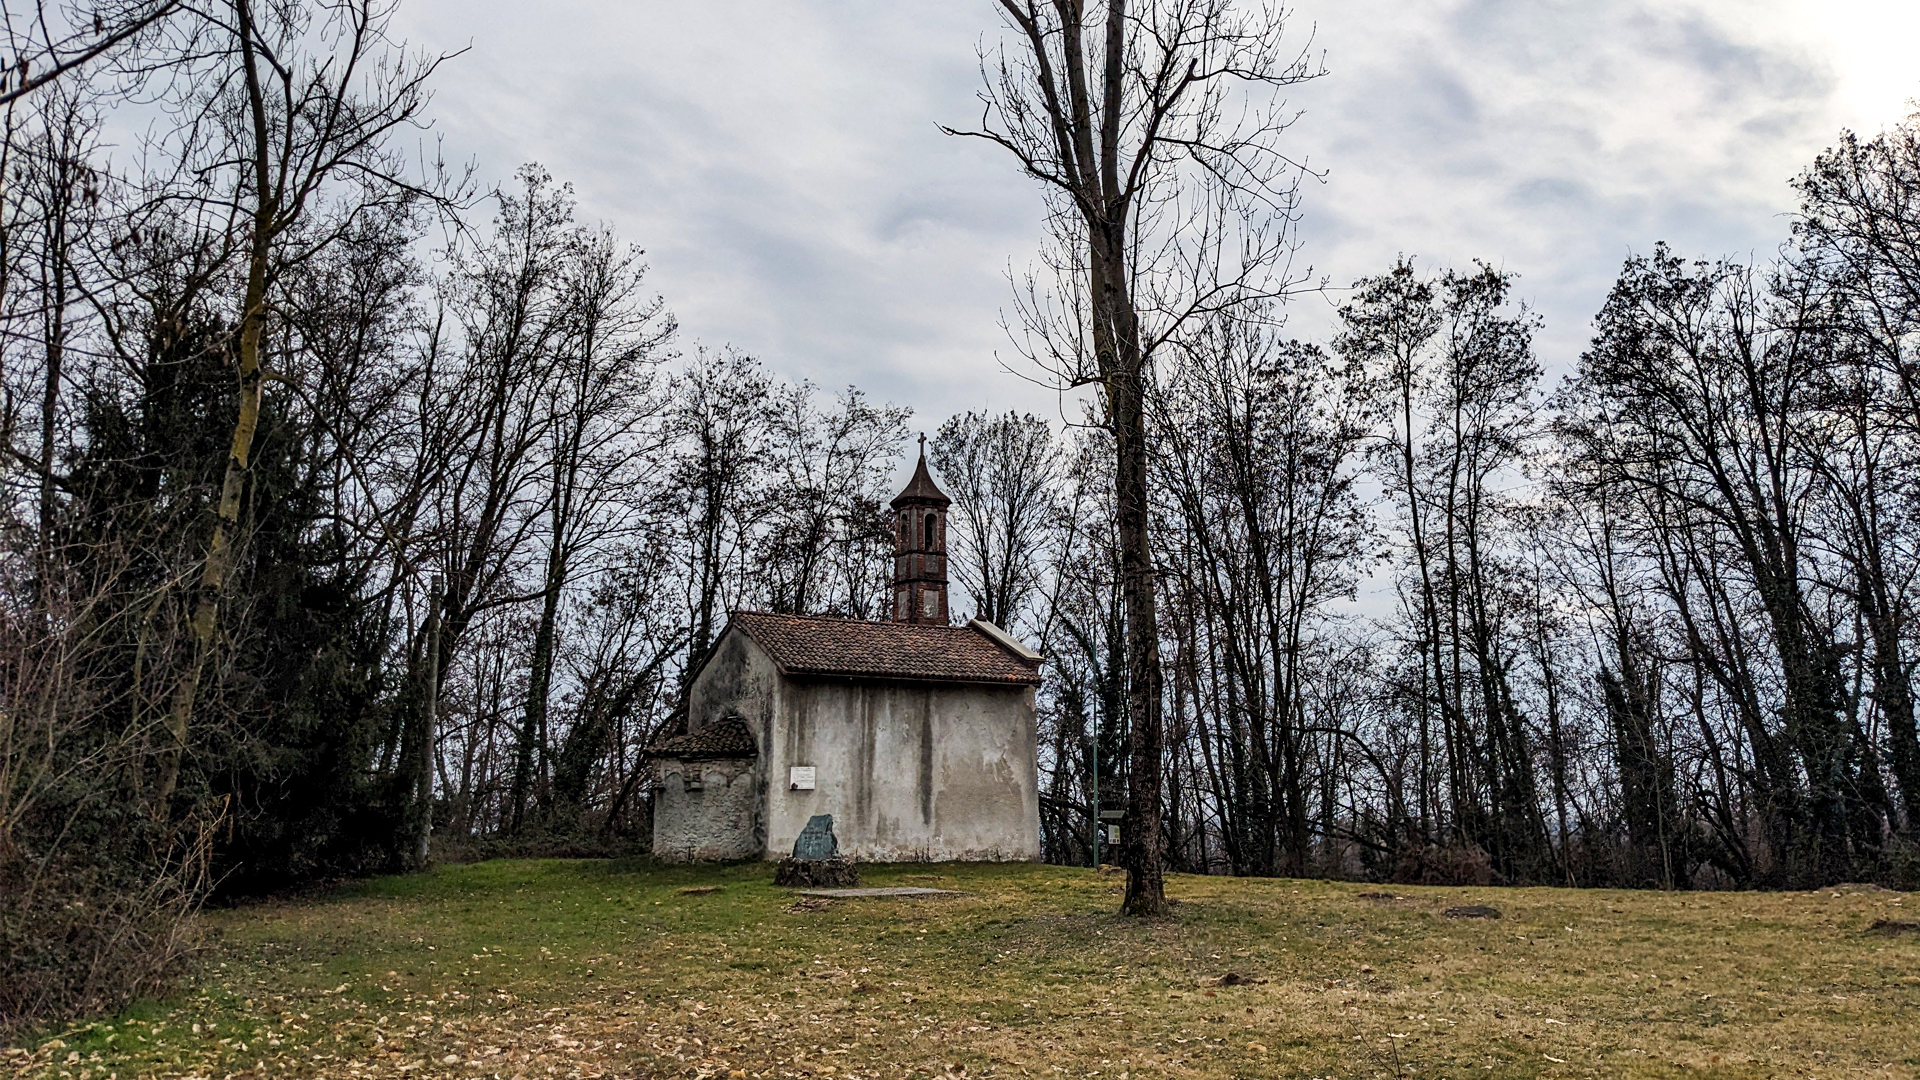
x,y
55,261
249,380
533,721
1144,843
429,714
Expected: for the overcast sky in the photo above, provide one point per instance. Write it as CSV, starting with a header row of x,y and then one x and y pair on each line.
x,y
779,162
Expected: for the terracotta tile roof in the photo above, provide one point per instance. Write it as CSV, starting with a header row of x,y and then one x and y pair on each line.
x,y
852,648
728,738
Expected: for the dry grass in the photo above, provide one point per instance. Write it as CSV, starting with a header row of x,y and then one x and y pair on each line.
x,y
624,969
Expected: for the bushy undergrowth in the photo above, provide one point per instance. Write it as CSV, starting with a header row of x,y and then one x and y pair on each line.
x,y
80,940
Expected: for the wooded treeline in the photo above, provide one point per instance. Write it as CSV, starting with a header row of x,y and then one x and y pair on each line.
x,y
346,504
343,500
1425,617
1389,604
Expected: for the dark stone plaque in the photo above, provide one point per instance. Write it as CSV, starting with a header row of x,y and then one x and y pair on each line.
x,y
816,841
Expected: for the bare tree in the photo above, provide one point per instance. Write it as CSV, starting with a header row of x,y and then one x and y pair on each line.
x,y
629,631
1694,396
719,418
824,517
53,217
1615,597
285,112
1155,131
1452,380
1260,442
1082,632
1002,472
1857,244
601,403
48,42
491,420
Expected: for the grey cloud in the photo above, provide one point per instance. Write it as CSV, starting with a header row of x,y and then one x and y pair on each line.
x,y
779,161
1742,70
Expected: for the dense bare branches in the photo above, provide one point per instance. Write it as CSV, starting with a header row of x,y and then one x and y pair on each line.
x,y
1156,129
45,43
1002,472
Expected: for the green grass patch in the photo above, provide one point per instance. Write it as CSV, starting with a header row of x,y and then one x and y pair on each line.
x,y
612,968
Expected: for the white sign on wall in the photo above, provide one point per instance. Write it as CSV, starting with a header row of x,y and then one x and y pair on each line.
x,y
800,778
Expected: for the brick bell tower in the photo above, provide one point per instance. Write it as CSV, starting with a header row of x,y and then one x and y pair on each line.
x,y
920,549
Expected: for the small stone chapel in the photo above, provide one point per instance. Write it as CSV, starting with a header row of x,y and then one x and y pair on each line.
x,y
917,736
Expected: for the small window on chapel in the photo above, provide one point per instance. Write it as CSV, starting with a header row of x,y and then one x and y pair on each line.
x,y
929,544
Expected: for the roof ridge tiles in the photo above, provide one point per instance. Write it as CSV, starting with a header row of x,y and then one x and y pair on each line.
x,y
836,646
